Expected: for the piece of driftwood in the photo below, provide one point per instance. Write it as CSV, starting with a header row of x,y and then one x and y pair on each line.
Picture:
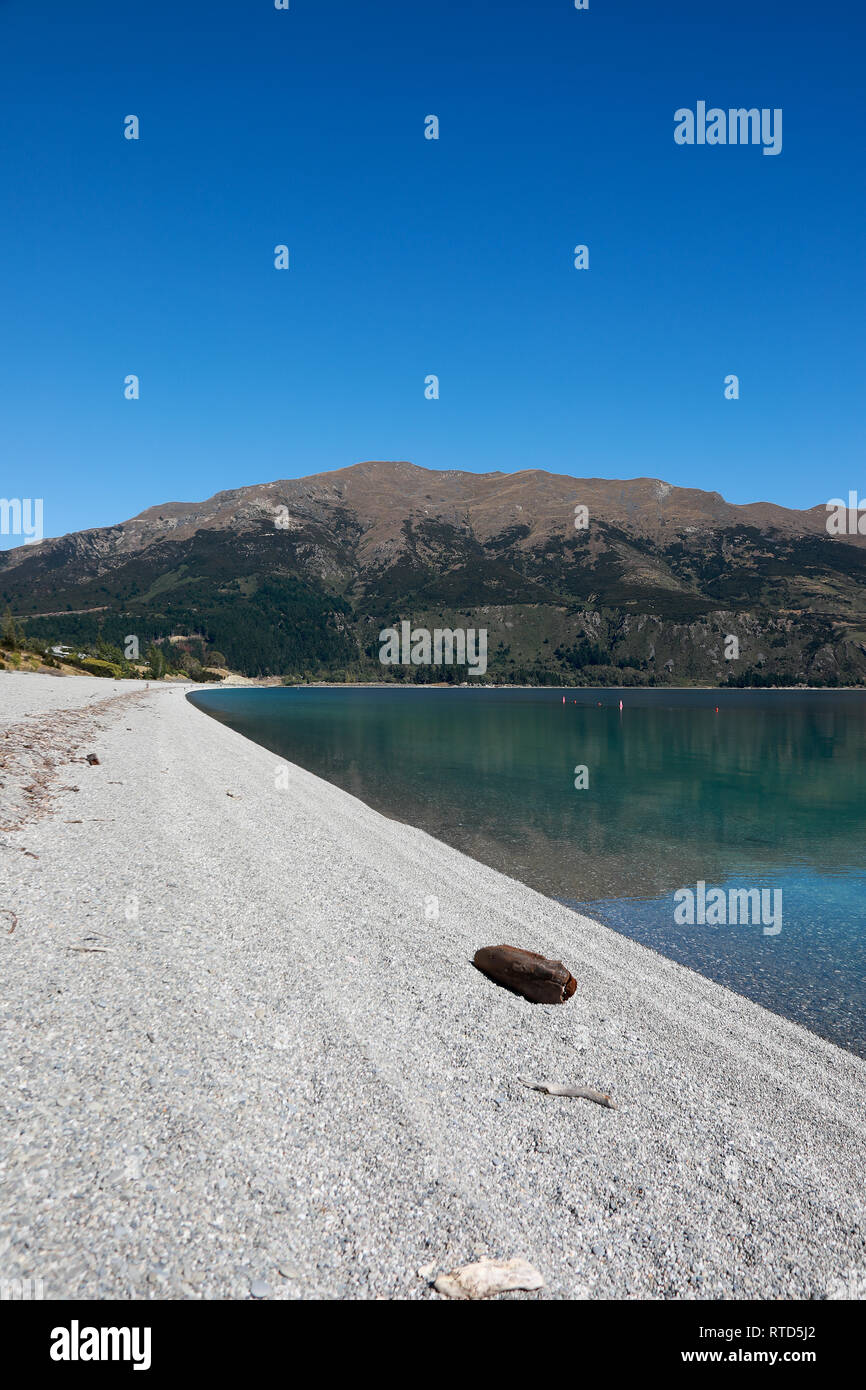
x,y
525,972
550,1088
488,1278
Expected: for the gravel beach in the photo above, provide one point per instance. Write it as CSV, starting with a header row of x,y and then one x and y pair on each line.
x,y
245,1053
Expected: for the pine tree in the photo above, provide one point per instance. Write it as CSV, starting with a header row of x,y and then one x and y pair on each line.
x,y
156,661
9,632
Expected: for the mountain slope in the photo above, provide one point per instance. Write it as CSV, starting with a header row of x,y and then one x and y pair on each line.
x,y
298,576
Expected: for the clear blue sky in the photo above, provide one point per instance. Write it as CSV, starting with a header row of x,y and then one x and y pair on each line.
x,y
411,257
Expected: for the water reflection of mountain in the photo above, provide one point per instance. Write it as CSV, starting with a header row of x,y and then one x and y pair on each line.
x,y
674,795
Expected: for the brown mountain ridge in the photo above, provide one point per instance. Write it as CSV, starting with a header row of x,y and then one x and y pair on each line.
x,y
644,593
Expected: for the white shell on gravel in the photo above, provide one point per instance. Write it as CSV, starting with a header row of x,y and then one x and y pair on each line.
x,y
488,1277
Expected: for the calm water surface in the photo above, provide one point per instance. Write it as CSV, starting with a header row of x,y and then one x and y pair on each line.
x,y
767,793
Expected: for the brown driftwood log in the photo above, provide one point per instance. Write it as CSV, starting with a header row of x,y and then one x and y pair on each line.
x,y
550,1088
525,972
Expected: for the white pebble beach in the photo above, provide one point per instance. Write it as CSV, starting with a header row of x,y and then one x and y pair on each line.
x,y
239,1059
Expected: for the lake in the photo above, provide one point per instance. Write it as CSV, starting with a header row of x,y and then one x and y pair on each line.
x,y
614,811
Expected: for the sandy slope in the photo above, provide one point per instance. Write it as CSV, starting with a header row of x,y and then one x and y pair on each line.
x,y
268,1065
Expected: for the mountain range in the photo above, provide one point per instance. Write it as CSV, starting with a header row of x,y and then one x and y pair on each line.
x,y
297,578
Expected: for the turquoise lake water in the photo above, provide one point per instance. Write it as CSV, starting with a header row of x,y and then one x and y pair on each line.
x,y
767,793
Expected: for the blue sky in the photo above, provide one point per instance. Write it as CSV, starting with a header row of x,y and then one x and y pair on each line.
x,y
411,257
